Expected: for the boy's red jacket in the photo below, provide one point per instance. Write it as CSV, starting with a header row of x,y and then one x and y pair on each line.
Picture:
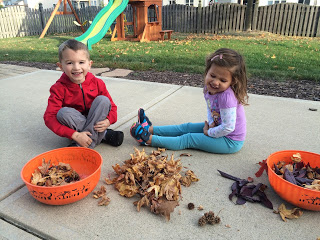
x,y
65,93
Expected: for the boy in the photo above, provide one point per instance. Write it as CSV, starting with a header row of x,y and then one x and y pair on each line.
x,y
80,106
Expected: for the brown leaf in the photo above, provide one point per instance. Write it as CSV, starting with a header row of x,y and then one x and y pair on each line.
x,y
45,166
104,201
110,181
170,188
100,193
185,155
143,201
287,213
164,207
37,178
126,190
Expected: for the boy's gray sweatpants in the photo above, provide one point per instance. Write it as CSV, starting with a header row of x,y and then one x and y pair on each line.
x,y
99,111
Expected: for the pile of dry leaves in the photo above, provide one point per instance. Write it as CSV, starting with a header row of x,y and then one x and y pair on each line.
x,y
299,173
155,178
55,175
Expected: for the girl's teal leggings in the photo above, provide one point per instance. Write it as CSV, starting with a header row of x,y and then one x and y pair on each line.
x,y
190,135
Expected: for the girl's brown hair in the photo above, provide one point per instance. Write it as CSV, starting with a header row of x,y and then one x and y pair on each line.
x,y
234,62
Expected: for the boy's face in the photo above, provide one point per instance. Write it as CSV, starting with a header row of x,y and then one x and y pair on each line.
x,y
75,64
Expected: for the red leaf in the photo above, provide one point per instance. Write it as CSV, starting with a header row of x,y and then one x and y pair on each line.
x,y
263,166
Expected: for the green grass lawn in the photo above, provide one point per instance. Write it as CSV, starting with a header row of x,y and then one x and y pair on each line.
x,y
267,56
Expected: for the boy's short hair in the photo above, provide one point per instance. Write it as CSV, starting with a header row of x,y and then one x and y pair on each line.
x,y
73,45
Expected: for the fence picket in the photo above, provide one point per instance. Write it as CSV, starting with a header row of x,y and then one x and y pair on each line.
x,y
310,21
306,18
314,21
317,24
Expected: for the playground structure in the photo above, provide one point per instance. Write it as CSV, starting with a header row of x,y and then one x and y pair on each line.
x,y
65,12
146,23
143,29
146,27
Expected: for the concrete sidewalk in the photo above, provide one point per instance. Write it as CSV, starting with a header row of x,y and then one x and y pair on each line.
x,y
273,124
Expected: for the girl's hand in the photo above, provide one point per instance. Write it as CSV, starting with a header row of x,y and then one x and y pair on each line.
x,y
82,138
102,125
206,128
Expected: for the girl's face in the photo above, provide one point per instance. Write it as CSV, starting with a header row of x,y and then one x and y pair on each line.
x,y
218,79
75,64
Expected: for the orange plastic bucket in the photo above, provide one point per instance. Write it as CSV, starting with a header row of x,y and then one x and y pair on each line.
x,y
86,162
294,194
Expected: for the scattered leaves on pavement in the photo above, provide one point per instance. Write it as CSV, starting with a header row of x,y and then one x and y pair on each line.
x,y
245,191
288,213
155,178
102,193
263,167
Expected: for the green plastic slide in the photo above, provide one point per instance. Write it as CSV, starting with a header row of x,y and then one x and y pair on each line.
x,y
102,22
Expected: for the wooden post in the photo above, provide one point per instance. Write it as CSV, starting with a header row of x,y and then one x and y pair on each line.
x,y
255,15
41,15
55,11
199,13
248,18
50,19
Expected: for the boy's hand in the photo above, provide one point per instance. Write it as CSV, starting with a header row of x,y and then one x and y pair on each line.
x,y
206,128
102,125
82,138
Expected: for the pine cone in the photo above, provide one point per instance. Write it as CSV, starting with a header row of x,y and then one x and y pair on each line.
x,y
202,221
190,206
209,214
217,219
210,217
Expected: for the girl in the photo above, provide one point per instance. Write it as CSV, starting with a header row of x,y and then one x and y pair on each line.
x,y
225,92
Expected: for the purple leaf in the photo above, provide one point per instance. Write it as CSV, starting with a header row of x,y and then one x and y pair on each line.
x,y
289,176
234,187
303,180
226,175
257,188
246,191
240,201
243,182
234,192
265,201
251,199
302,173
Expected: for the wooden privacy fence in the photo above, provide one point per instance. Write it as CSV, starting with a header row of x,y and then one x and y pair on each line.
x,y
289,19
217,18
19,21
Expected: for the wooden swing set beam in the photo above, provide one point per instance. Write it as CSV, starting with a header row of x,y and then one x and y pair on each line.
x,y
65,12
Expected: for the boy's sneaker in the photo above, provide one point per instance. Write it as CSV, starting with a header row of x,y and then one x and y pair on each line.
x,y
143,119
113,138
73,144
140,133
